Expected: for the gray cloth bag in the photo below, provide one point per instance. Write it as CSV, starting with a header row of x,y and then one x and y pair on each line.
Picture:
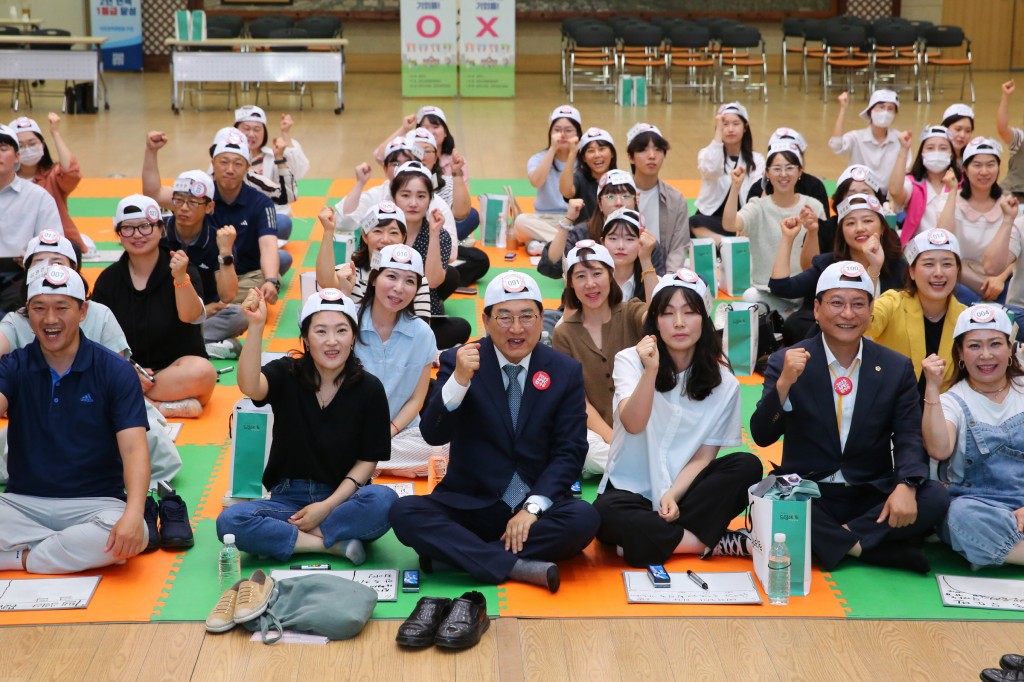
x,y
325,605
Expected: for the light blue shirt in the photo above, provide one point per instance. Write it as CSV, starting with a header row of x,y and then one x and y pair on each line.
x,y
549,197
399,361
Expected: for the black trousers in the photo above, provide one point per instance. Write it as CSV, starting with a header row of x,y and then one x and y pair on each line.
x,y
858,507
713,500
475,266
471,538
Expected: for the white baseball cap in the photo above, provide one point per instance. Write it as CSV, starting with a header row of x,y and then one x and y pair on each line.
x,y
136,206
195,182
594,135
982,145
415,167
931,240
624,214
10,136
785,146
25,124
782,134
566,111
384,212
250,112
230,141
734,108
615,178
430,111
878,97
512,286
861,173
642,128
941,132
958,110
329,299
51,241
421,135
845,274
687,279
981,316
855,202
58,279
402,144
399,257
600,254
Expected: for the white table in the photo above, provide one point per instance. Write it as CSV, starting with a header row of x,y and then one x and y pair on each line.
x,y
21,23
20,64
190,64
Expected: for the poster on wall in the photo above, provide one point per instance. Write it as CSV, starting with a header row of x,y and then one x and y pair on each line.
x,y
120,22
429,59
487,48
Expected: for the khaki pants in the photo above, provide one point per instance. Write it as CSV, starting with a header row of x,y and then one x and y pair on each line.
x,y
249,280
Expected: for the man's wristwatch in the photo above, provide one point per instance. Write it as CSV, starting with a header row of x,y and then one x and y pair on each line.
x,y
911,482
275,281
226,260
533,508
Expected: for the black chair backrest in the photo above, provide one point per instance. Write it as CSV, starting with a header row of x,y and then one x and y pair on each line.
x,y
297,34
595,35
793,27
10,31
642,35
320,26
814,29
569,26
262,26
895,35
740,36
845,35
52,33
944,36
693,36
920,25
718,24
229,22
621,27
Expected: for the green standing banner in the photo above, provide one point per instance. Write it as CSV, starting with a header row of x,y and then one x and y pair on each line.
x,y
429,41
487,48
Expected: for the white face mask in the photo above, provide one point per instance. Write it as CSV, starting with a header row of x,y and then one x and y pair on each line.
x,y
31,156
882,119
936,162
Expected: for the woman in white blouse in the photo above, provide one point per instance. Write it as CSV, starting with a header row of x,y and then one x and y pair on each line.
x,y
676,403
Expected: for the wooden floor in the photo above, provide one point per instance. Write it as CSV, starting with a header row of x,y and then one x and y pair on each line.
x,y
498,137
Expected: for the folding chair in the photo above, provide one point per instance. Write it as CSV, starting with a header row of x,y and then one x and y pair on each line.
x,y
939,42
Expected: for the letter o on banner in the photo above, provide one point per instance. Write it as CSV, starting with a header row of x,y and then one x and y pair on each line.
x,y
421,24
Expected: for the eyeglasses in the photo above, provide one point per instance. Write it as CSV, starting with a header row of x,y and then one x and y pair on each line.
x,y
837,306
527,320
145,229
178,202
624,197
784,170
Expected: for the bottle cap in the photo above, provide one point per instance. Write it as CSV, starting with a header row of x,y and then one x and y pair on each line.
x,y
229,539
779,537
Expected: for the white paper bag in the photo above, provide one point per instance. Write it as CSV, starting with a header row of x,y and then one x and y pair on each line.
x,y
793,518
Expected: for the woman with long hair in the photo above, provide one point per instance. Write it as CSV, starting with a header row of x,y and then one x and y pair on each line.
x,y
544,169
677,404
330,432
923,193
595,156
974,430
37,164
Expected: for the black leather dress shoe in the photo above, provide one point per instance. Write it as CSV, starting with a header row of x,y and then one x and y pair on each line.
x,y
421,625
465,623
1012,662
1000,675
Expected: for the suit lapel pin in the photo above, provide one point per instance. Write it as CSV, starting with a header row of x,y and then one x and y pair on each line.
x,y
541,381
878,368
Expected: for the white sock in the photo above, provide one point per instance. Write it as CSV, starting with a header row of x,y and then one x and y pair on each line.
x,y
11,561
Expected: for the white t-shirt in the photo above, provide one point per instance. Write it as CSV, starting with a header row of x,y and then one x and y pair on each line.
x,y
647,463
650,207
933,206
983,410
762,220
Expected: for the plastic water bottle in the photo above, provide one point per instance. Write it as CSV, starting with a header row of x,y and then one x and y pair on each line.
x,y
230,564
778,572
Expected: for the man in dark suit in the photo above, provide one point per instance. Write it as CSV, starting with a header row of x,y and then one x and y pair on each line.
x,y
515,415
849,411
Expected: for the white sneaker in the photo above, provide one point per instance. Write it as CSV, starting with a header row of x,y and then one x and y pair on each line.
x,y
228,349
189,408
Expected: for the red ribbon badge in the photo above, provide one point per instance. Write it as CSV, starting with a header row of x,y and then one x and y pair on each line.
x,y
541,381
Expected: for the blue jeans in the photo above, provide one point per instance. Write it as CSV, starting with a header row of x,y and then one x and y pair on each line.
x,y
261,526
284,226
464,227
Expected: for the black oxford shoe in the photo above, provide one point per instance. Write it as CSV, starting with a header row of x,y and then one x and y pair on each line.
x,y
465,623
1012,662
421,625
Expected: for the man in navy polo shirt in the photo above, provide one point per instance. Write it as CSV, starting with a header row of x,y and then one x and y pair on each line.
x,y
72,503
234,203
191,230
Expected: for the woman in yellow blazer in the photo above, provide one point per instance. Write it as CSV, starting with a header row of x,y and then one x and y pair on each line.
x,y
919,319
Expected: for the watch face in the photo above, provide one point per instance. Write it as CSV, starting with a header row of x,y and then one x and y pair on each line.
x,y
533,508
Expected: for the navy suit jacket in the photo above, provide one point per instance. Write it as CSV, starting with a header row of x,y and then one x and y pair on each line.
x,y
547,448
884,444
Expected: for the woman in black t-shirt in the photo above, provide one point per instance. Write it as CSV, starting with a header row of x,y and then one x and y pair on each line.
x,y
157,297
331,427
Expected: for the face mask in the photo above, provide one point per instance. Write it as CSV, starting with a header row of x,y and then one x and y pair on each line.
x,y
31,156
882,119
936,162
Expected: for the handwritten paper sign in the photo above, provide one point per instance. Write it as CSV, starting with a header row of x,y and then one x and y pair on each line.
x,y
47,594
981,593
723,588
383,580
